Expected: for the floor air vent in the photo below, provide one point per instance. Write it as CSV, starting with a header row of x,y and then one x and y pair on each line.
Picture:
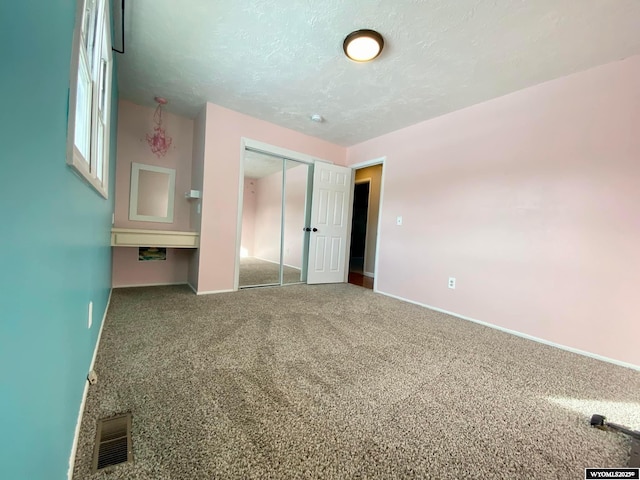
x,y
113,442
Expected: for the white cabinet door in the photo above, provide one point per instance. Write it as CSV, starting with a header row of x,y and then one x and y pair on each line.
x,y
329,223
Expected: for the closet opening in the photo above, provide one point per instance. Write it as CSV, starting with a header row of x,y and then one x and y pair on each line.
x,y
276,207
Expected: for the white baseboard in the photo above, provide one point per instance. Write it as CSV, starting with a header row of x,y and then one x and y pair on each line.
x,y
76,436
278,263
518,334
369,274
214,291
195,290
150,285
265,260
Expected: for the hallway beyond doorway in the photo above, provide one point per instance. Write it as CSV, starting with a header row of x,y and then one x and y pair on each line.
x,y
364,229
359,279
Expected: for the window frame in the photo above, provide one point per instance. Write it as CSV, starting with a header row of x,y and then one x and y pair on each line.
x,y
95,169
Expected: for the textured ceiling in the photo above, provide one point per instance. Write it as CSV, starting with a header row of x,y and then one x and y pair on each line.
x,y
282,60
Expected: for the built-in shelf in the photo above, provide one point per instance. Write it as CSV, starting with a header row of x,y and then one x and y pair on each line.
x,y
193,194
132,237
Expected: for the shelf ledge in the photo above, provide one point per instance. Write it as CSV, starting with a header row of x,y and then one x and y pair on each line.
x,y
134,237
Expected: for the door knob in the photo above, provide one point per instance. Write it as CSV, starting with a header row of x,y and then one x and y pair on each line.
x,y
307,229
315,229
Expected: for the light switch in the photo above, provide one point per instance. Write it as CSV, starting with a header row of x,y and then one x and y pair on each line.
x,y
399,221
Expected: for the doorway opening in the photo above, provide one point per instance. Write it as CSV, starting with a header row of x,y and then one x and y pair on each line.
x,y
364,227
359,226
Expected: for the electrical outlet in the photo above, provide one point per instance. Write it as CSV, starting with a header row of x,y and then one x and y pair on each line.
x,y
399,221
90,322
452,282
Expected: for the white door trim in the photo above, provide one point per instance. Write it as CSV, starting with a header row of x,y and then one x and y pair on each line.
x,y
369,163
236,273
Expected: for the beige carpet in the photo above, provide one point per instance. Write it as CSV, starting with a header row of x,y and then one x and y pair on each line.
x,y
334,381
254,271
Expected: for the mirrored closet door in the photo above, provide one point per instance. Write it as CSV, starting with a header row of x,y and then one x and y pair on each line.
x,y
275,214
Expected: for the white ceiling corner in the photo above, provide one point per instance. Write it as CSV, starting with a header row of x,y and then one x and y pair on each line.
x,y
282,60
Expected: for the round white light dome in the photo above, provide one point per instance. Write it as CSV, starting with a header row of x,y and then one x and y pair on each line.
x,y
363,45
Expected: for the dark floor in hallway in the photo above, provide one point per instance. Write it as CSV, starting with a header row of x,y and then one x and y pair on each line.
x,y
361,280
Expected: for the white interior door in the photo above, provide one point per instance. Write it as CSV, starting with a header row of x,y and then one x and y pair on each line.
x,y
329,223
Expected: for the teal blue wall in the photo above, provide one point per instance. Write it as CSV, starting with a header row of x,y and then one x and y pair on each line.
x,y
54,238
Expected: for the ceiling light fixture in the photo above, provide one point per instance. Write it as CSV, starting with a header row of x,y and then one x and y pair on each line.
x,y
159,141
363,45
316,117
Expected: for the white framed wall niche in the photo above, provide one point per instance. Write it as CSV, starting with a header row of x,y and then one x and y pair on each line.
x,y
152,194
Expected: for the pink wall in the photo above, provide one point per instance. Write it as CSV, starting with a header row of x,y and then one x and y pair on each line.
x,y
262,215
249,215
268,217
531,201
128,271
134,122
224,130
